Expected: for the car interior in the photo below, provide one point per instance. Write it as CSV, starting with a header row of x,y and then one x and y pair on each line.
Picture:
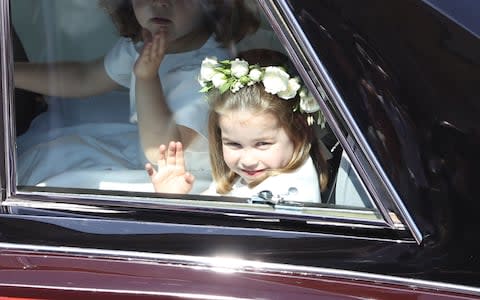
x,y
71,145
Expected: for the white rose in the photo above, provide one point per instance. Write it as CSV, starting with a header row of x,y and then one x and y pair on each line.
x,y
239,68
236,86
208,68
292,88
255,74
308,104
219,79
275,80
303,93
201,81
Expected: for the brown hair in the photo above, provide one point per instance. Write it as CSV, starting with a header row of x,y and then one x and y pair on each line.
x,y
254,98
229,20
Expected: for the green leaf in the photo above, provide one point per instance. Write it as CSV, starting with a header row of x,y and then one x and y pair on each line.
x,y
226,86
205,89
244,79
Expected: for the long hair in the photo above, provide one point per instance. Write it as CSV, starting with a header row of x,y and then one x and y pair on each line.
x,y
229,20
255,98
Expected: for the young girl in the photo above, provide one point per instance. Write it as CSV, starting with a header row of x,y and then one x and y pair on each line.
x,y
260,136
162,45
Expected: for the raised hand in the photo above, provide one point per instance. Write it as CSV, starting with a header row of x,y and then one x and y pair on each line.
x,y
154,49
170,175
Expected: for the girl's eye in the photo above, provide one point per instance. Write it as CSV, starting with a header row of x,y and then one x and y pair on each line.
x,y
232,145
263,145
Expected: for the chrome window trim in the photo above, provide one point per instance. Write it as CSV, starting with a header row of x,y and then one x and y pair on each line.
x,y
239,265
115,206
7,89
304,55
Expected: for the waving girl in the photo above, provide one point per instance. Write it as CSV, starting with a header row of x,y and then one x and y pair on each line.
x,y
260,136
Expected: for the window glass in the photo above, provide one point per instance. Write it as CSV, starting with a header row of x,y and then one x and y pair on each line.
x,y
105,94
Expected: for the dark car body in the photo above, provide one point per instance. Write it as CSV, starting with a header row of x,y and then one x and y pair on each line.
x,y
403,75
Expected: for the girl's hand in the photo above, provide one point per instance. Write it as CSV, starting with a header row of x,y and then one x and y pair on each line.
x,y
170,176
147,64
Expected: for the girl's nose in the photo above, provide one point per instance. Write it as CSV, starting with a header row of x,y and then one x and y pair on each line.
x,y
248,161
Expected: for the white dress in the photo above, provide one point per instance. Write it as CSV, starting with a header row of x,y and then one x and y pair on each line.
x,y
178,73
300,185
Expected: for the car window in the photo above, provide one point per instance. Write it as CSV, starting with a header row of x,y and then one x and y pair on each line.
x,y
89,143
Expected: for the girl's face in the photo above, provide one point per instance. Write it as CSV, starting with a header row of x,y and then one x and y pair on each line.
x,y
179,18
254,143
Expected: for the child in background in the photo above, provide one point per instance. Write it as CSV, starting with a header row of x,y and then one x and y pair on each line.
x,y
260,136
170,38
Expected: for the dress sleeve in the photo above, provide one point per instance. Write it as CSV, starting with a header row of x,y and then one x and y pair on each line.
x,y
188,105
181,86
119,61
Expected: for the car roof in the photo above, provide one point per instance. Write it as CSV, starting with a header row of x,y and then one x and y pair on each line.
x,y
463,12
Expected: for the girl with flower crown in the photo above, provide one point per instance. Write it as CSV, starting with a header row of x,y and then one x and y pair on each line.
x,y
260,136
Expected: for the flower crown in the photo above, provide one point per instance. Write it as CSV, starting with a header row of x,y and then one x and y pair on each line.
x,y
235,74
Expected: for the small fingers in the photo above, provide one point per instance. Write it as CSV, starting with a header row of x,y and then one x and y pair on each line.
x,y
171,153
156,44
189,178
162,161
179,156
159,44
146,36
150,169
146,52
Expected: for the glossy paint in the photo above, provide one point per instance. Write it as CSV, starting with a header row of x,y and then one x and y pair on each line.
x,y
409,75
53,276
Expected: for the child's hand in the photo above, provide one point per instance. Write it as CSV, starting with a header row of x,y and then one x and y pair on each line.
x,y
170,176
147,64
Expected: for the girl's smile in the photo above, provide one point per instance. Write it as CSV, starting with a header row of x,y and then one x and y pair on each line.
x,y
254,173
254,143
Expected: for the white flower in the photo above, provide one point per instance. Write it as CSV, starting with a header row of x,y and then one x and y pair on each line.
x,y
308,104
236,86
239,68
292,88
255,75
202,82
321,120
303,93
208,68
275,80
219,79
310,120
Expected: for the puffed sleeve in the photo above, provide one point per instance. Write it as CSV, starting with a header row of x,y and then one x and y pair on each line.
x,y
189,106
181,86
119,61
